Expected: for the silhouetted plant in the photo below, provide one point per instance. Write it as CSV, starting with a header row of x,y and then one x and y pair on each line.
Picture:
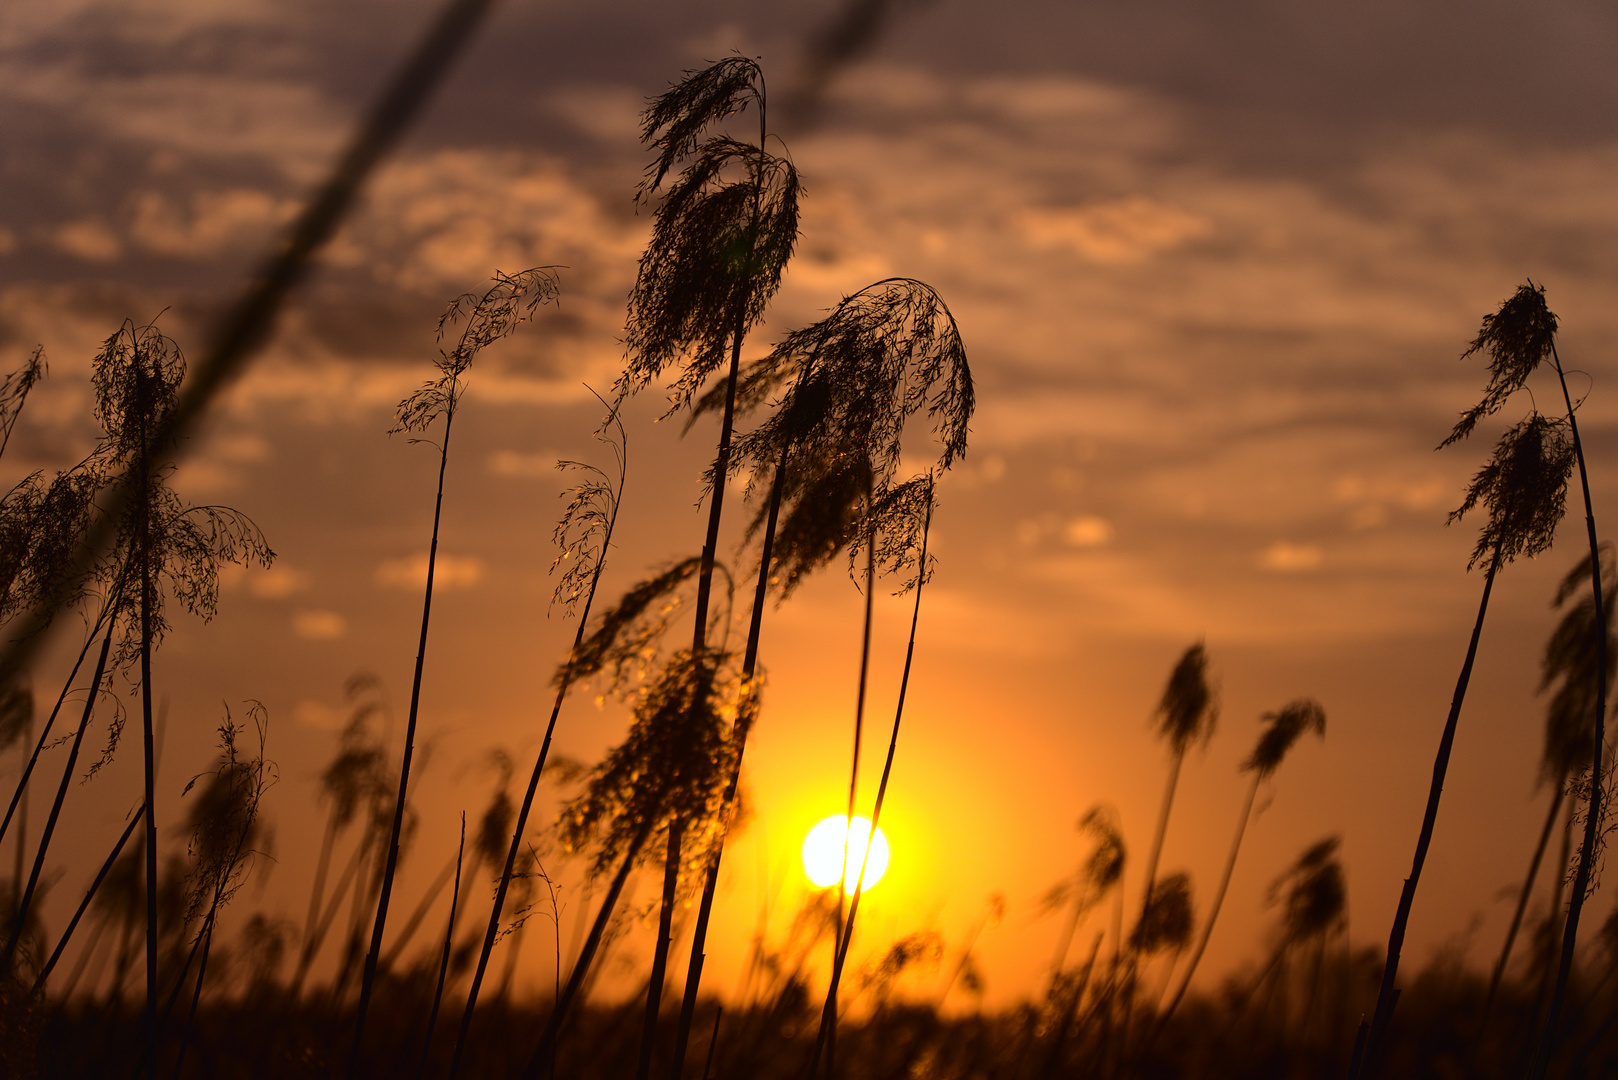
x,y
1518,338
846,385
1283,729
667,775
1168,920
1102,872
1569,663
227,832
721,236
505,304
583,536
1185,717
14,393
846,938
443,959
1524,488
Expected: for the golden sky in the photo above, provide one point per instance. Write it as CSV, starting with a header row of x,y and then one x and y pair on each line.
x,y
1213,268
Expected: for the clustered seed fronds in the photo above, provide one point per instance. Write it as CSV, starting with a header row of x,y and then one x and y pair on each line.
x,y
1105,867
1189,711
1167,921
677,118
673,765
1517,338
923,949
14,391
507,303
1524,487
721,239
586,523
227,832
1315,893
847,386
625,640
1571,659
1285,728
40,527
136,378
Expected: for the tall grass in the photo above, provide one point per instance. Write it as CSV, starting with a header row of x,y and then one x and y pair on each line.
x,y
508,301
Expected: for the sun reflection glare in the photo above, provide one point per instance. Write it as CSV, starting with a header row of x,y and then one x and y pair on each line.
x,y
823,853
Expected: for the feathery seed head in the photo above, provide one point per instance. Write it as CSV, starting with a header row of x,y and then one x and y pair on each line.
x,y
1517,338
1189,711
1168,919
1283,729
1524,487
1571,659
1314,891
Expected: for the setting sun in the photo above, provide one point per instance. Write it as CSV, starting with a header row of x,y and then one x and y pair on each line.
x,y
823,852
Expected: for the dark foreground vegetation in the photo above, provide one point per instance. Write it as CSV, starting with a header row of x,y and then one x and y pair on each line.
x,y
1293,1024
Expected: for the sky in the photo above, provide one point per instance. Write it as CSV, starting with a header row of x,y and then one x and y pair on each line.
x,y
1214,268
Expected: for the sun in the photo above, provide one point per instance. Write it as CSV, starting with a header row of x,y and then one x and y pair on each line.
x,y
823,853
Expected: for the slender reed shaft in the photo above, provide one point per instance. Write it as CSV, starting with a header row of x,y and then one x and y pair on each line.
x,y
196,993
1387,995
1522,905
56,806
45,732
1156,850
1592,823
390,866
84,905
540,1064
841,956
443,959
563,684
1213,909
699,936
148,599
665,919
699,632
854,765
22,827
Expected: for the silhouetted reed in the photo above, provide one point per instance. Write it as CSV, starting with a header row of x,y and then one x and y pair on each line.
x,y
1570,663
584,535
507,302
1283,728
1524,489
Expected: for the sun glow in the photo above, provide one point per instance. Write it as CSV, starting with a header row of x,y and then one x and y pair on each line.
x,y
823,853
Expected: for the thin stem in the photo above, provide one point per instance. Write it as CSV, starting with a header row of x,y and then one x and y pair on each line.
x,y
542,1061
841,955
392,862
492,932
699,937
84,905
1218,901
443,959
1387,995
1592,823
665,918
1522,905
21,919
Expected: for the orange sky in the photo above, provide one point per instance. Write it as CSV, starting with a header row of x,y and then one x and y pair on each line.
x,y
1213,281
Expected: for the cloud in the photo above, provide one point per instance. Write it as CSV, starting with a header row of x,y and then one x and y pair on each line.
x,y
318,715
1288,558
88,239
449,572
1087,532
318,625
1126,230
515,463
215,221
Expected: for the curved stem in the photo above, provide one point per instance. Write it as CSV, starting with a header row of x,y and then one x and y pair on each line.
x,y
492,931
390,866
443,959
1387,995
1592,822
84,905
21,919
1522,905
1218,901
841,955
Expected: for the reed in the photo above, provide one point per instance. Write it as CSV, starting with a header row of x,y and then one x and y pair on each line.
x,y
508,301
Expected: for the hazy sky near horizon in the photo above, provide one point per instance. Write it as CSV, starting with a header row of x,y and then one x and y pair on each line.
x,y
1213,266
